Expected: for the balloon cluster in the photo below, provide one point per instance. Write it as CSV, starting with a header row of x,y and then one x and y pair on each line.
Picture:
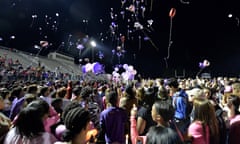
x,y
204,64
130,22
95,68
119,52
127,75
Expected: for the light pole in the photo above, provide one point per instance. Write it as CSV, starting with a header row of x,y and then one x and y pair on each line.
x,y
93,44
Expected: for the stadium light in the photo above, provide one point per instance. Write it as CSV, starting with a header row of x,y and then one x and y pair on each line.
x,y
93,43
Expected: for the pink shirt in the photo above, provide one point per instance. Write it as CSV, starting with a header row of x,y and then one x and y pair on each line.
x,y
234,119
196,131
134,133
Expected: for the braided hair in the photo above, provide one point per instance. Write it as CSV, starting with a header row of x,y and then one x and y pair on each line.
x,y
75,120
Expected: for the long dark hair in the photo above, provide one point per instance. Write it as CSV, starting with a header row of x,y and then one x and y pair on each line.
x,y
29,122
162,135
164,109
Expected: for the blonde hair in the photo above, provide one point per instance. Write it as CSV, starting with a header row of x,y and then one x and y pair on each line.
x,y
204,111
236,88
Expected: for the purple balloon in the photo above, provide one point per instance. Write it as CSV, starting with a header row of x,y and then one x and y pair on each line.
x,y
201,65
97,68
80,46
84,69
130,77
146,38
119,54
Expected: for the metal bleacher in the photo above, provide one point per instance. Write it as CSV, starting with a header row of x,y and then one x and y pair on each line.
x,y
28,59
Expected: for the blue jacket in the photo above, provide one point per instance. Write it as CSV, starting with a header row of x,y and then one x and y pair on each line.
x,y
180,104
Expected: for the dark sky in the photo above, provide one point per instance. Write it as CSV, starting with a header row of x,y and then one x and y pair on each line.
x,y
200,30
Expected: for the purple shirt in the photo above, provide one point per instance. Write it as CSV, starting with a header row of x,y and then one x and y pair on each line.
x,y
113,120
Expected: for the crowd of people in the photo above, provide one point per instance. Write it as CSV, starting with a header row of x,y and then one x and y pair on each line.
x,y
43,110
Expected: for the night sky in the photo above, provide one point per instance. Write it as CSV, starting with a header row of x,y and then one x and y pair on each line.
x,y
200,30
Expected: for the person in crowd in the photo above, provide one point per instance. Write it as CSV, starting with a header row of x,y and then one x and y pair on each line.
x,y
57,105
113,120
69,90
204,128
77,122
233,103
32,89
236,88
144,119
7,103
5,122
162,135
87,102
59,128
28,127
45,94
163,94
162,113
16,94
76,94
181,105
129,99
126,103
61,93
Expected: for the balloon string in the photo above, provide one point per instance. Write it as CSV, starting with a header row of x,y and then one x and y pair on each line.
x,y
139,43
150,40
80,52
32,23
170,39
151,7
166,62
199,72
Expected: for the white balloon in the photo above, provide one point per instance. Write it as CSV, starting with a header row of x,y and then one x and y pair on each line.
x,y
116,69
134,72
125,66
88,67
130,68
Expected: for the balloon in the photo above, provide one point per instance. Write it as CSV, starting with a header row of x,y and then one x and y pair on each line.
x,y
37,47
80,46
130,68
131,8
201,65
118,48
84,69
134,72
116,69
44,43
125,66
89,67
97,68
150,22
172,12
206,63
113,51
